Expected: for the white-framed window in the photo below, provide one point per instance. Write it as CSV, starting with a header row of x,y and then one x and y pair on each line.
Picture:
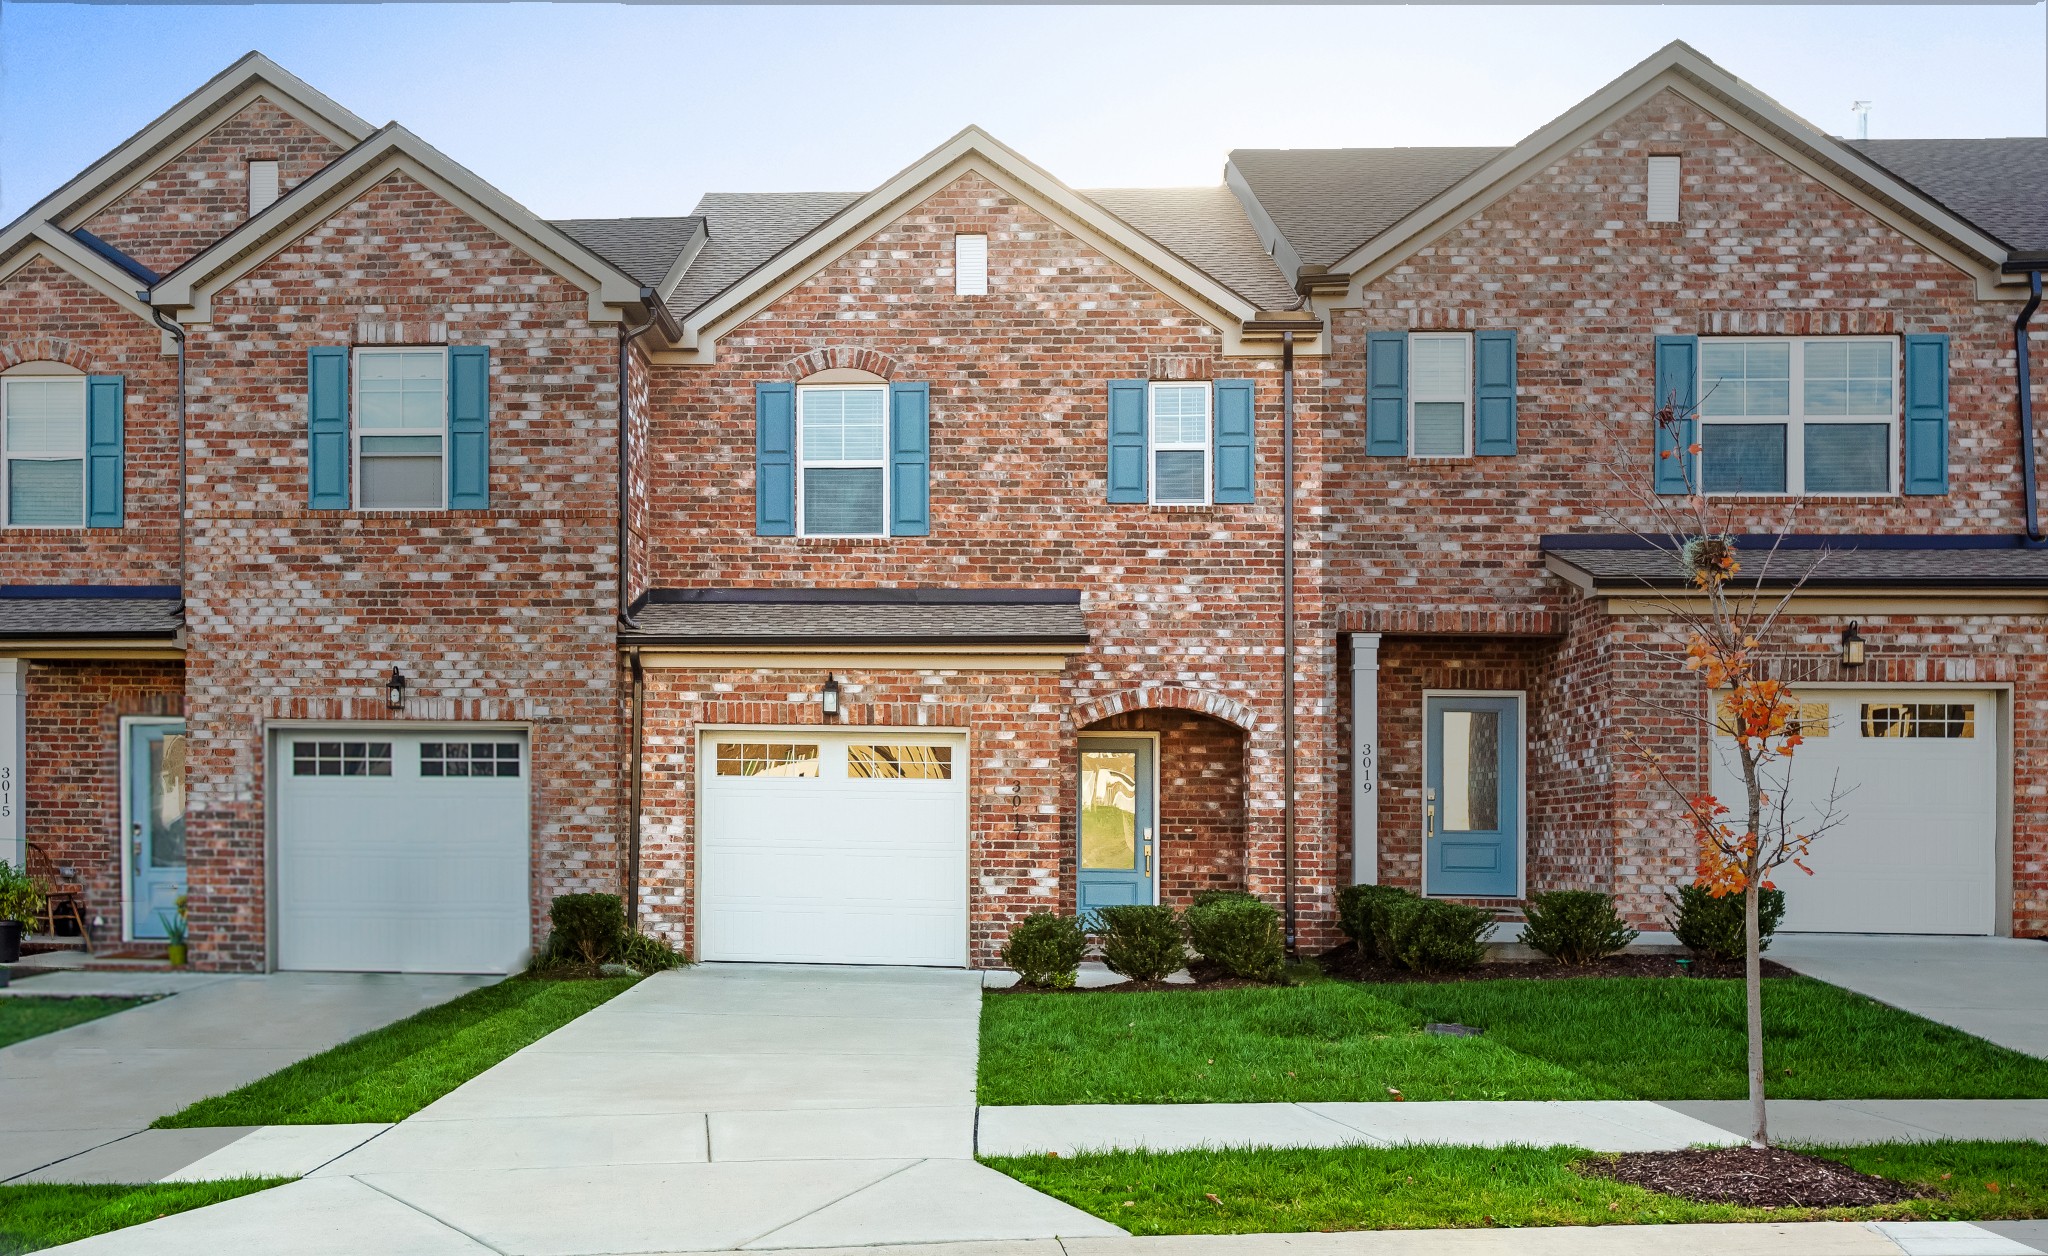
x,y
842,465
1661,187
1439,394
1799,416
970,265
400,431
262,185
1179,455
42,451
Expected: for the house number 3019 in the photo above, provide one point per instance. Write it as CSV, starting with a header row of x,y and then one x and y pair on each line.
x,y
1365,770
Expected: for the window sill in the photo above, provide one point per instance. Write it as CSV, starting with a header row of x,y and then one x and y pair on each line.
x,y
836,541
1192,508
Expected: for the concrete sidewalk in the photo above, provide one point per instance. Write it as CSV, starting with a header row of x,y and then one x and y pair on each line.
x,y
68,1100
1995,988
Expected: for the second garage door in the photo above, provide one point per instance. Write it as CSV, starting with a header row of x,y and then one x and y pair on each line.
x,y
1915,852
840,847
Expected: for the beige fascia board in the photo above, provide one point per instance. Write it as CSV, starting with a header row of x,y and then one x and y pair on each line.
x,y
1692,76
191,287
90,648
49,244
684,260
971,150
1870,602
1023,658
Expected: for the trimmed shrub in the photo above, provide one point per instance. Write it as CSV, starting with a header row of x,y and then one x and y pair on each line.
x,y
1207,897
588,928
1357,908
1386,908
1240,933
1430,935
1046,949
1141,942
1713,927
1576,926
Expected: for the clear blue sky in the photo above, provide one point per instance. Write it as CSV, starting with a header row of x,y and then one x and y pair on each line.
x,y
597,109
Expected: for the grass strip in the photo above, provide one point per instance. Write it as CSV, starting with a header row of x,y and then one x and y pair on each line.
x,y
1256,1191
28,1016
48,1215
390,1073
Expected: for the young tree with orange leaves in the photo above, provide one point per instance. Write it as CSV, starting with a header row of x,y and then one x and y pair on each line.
x,y
1724,627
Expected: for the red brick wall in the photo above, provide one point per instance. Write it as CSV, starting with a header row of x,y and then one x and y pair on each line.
x,y
74,768
501,614
202,193
49,314
1201,800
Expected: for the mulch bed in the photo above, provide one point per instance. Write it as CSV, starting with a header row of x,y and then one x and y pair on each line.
x,y
1346,962
1207,977
1750,1176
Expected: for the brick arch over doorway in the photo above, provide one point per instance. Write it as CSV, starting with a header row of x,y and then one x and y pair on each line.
x,y
1176,697
1201,798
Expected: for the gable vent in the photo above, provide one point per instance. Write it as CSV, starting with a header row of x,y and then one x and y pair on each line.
x,y
1663,189
262,186
970,265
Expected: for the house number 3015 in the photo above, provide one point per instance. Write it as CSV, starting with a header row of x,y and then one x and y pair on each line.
x,y
6,792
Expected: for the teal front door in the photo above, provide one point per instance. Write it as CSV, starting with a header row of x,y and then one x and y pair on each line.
x,y
156,825
1472,796
1118,855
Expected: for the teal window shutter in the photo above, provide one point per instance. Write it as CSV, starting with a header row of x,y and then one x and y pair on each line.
x,y
1677,370
1926,440
469,427
1493,391
327,427
1386,394
775,459
103,457
1233,442
1127,440
910,460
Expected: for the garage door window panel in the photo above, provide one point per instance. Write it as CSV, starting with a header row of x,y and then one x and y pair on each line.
x,y
754,758
459,758
1948,720
899,763
341,758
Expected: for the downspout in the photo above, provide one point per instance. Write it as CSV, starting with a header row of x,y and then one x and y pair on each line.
x,y
1287,633
2024,369
177,333
626,339
633,805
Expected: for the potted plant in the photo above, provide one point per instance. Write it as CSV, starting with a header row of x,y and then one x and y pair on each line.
x,y
174,933
21,903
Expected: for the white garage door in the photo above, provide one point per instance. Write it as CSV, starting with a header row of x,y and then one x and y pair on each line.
x,y
834,848
1915,851
402,851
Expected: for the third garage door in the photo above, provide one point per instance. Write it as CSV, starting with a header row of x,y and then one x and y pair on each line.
x,y
839,847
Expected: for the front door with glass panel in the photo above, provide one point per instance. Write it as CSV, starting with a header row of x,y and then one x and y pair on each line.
x,y
156,826
1118,855
1472,796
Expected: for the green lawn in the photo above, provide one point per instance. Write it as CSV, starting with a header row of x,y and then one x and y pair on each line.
x,y
393,1072
1586,1038
1398,1188
35,1217
28,1017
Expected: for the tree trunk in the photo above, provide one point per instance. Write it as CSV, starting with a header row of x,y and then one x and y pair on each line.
x,y
1753,991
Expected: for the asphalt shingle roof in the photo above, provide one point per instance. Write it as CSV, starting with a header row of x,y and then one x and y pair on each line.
x,y
870,617
644,248
36,612
2001,185
1624,563
1207,228
748,228
1328,201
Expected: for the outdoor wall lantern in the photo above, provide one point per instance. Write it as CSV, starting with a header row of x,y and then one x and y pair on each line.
x,y
829,696
394,690
1852,646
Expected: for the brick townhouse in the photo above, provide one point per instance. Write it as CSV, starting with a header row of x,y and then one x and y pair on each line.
x,y
843,576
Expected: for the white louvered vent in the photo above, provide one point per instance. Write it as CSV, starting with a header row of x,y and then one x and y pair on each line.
x,y
1663,189
970,265
262,186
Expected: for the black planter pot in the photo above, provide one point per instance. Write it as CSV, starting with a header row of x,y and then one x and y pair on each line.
x,y
10,941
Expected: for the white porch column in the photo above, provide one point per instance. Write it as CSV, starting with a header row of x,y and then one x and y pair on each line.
x,y
14,761
1365,758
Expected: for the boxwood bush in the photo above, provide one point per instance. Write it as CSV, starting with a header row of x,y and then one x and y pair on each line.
x,y
1141,942
1430,935
1576,926
1713,927
590,929
1238,932
1046,950
1358,906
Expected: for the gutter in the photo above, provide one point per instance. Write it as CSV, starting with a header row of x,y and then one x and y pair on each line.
x,y
174,331
2030,264
633,803
658,316
1287,869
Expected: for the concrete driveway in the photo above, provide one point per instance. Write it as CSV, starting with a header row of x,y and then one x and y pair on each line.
x,y
1995,988
78,1092
709,1109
